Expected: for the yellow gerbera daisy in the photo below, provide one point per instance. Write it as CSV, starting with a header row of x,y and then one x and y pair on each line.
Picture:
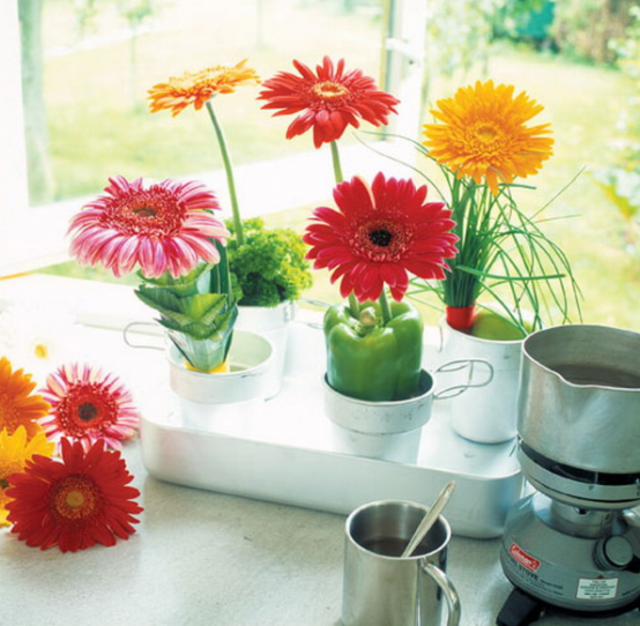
x,y
483,134
17,406
15,451
195,88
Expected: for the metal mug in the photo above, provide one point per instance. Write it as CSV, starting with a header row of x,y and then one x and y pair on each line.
x,y
383,589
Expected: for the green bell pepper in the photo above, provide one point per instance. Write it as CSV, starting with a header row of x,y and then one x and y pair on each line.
x,y
370,360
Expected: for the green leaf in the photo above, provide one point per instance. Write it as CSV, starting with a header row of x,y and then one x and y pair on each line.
x,y
183,283
162,300
202,305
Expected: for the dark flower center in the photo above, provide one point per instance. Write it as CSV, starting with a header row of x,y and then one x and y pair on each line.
x,y
380,237
87,412
87,407
384,240
145,212
149,212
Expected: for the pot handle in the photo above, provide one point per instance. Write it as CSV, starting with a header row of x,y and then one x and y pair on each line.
x,y
456,366
147,329
449,591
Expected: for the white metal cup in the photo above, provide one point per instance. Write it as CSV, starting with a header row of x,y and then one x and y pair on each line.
x,y
392,430
272,323
382,589
251,357
485,415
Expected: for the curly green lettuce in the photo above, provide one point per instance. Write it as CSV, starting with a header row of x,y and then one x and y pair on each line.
x,y
269,268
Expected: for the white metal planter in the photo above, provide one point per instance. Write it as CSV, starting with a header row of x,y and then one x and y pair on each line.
x,y
488,415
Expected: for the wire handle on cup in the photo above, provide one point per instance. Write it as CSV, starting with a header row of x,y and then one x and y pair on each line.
x,y
456,366
152,331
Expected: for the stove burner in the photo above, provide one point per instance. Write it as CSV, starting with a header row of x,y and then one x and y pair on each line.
x,y
522,609
577,474
578,486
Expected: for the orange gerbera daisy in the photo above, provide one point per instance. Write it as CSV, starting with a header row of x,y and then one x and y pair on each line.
x,y
15,451
483,134
74,503
18,407
195,88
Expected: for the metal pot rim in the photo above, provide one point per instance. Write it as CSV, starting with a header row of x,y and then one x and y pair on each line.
x,y
535,337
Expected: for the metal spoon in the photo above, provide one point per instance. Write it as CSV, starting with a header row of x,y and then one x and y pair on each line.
x,y
429,519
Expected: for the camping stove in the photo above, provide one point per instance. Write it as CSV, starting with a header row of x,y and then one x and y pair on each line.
x,y
574,544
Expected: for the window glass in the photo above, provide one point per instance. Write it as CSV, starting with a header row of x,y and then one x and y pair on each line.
x,y
96,60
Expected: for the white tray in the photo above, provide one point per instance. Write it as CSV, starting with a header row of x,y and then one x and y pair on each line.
x,y
285,450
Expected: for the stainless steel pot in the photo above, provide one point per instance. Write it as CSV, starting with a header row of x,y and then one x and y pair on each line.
x,y
579,398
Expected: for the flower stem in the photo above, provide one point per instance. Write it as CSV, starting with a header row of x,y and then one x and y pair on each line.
x,y
228,168
337,173
335,159
385,309
353,306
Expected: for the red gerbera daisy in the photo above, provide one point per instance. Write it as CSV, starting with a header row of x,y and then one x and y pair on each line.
x,y
87,405
328,100
378,235
166,226
74,503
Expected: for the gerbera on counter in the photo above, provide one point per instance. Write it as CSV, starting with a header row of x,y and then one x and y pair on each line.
x,y
18,405
378,235
40,335
75,502
15,451
88,405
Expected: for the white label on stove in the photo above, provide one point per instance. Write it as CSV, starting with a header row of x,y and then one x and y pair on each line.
x,y
597,588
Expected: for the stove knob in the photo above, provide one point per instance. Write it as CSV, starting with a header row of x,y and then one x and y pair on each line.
x,y
613,553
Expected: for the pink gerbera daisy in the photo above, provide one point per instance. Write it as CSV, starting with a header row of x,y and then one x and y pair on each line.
x,y
379,235
328,100
73,503
165,226
87,405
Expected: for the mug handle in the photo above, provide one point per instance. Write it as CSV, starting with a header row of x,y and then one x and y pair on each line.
x,y
151,331
448,589
457,365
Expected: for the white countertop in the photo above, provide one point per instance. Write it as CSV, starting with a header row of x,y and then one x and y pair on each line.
x,y
203,558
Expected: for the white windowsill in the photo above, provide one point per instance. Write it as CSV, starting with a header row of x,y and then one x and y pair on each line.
x,y
91,303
